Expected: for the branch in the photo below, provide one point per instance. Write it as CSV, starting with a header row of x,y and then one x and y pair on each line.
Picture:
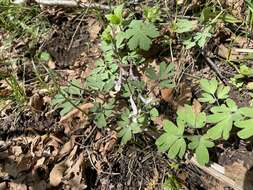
x,y
65,3
71,3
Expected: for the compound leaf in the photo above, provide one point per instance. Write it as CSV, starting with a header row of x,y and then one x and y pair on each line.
x,y
191,118
209,86
207,98
222,92
172,140
184,25
247,128
223,116
140,34
201,144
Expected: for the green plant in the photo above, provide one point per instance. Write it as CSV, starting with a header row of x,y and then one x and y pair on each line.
x,y
209,18
128,126
152,14
175,141
18,92
246,124
212,91
164,77
172,140
119,71
103,112
139,34
22,21
171,183
184,25
201,144
68,97
223,117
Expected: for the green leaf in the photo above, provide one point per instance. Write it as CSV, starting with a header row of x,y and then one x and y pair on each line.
x,y
209,86
189,43
166,84
120,37
154,113
166,73
207,98
116,17
223,117
171,183
244,70
207,14
152,14
247,128
166,70
44,56
230,18
67,107
172,140
113,19
201,144
247,111
128,128
202,37
128,131
140,34
191,118
247,124
151,74
184,25
222,92
119,10
100,120
59,98
75,87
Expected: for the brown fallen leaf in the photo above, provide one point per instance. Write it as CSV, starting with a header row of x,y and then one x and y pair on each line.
x,y
55,176
17,186
67,147
36,102
94,28
74,112
74,173
250,86
196,106
51,64
167,94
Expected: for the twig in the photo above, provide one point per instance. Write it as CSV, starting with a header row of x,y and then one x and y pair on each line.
x,y
215,68
217,172
72,3
95,5
66,3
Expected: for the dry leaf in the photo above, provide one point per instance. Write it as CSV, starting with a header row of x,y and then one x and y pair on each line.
x,y
3,186
250,86
67,147
55,176
167,94
16,150
229,54
74,112
74,174
94,28
196,106
51,64
17,186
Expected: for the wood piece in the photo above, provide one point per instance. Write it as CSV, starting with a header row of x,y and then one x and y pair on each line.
x,y
72,3
217,172
67,3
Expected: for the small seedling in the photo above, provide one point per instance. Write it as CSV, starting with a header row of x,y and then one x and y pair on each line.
x,y
212,91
